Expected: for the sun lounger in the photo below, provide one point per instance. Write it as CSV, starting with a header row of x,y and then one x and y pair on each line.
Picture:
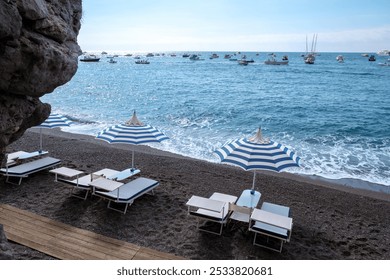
x,y
273,223
83,183
15,157
214,209
124,193
23,170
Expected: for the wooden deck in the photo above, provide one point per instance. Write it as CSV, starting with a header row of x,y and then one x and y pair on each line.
x,y
65,242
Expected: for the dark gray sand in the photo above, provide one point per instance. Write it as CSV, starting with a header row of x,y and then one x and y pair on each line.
x,y
330,222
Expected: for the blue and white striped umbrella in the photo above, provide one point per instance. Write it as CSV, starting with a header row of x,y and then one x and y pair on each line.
x,y
54,120
257,153
132,132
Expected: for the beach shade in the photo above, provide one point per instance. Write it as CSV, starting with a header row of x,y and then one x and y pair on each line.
x,y
132,132
257,153
54,120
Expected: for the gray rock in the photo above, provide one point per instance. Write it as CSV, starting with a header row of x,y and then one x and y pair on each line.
x,y
5,248
38,52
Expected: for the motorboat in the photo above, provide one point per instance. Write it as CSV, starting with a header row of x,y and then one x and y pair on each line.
x,y
195,57
272,60
387,63
142,61
186,55
242,62
384,53
340,58
111,60
227,56
214,55
310,57
372,58
90,58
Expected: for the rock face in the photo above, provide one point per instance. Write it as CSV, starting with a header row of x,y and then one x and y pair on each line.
x,y
5,248
38,52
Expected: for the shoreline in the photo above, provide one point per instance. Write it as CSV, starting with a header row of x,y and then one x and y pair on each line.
x,y
330,222
345,184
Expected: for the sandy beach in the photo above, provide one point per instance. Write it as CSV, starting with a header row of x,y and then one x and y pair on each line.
x,y
330,221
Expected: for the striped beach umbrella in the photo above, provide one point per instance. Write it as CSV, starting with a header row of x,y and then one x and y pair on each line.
x,y
54,120
132,132
257,153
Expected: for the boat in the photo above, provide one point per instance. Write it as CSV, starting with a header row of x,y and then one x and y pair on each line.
x,y
340,58
384,53
227,56
372,58
111,60
310,57
149,55
387,63
195,57
214,55
90,58
242,62
272,60
186,55
142,61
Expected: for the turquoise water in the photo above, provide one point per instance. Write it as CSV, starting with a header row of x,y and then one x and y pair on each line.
x,y
336,116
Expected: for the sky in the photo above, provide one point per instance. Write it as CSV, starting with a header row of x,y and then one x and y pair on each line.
x,y
234,25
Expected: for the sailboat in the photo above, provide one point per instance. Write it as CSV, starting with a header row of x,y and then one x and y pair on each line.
x,y
310,57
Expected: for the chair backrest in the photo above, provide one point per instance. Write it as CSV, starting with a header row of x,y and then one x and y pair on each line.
x,y
96,176
241,209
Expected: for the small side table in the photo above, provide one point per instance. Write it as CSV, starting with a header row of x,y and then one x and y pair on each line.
x,y
66,172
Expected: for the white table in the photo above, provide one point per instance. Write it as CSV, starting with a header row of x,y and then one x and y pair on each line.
x,y
66,172
105,184
249,199
246,202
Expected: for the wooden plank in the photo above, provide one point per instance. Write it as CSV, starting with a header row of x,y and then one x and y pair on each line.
x,y
75,241
71,231
66,242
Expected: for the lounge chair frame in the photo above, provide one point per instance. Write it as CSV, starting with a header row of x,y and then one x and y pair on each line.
x,y
127,193
214,209
275,226
25,169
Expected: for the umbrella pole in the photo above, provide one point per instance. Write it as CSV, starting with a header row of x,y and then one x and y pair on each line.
x,y
40,139
253,184
132,160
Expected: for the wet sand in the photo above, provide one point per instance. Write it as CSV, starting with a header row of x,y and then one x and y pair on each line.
x,y
330,221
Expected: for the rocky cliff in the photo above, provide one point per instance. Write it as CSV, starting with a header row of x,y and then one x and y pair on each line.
x,y
38,52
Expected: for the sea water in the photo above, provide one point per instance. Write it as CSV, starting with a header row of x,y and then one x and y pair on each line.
x,y
335,116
